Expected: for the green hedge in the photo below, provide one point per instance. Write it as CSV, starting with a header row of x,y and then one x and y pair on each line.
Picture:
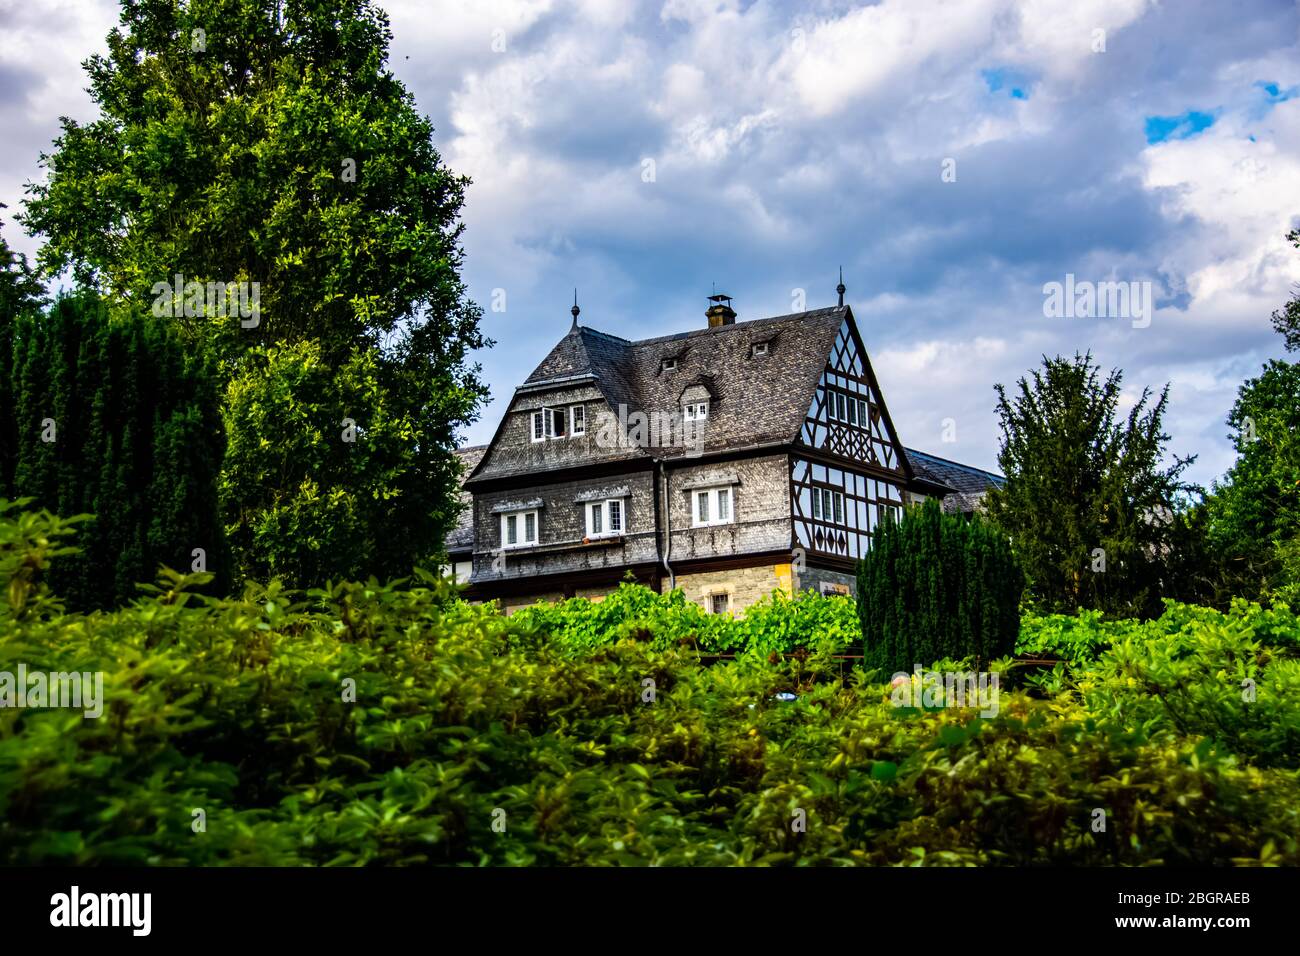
x,y
481,740
118,417
777,623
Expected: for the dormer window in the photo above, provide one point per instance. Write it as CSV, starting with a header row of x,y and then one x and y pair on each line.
x,y
696,411
758,349
547,422
670,365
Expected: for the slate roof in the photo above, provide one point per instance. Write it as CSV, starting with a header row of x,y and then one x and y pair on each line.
x,y
968,483
755,400
461,538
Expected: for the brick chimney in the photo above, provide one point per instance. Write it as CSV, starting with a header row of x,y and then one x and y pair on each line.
x,y
720,313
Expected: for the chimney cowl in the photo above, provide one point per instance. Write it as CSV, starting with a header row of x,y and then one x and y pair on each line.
x,y
720,312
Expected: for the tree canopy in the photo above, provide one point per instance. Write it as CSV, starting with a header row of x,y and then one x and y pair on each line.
x,y
1088,504
267,142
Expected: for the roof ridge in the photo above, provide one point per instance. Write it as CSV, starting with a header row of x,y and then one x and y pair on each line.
x,y
606,335
807,313
949,461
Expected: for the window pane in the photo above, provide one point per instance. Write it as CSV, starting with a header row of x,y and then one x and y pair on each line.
x,y
827,507
537,425
720,602
853,412
579,419
817,503
839,400
557,416
512,530
839,508
702,505
703,410
724,504
690,413
616,516
596,516
530,527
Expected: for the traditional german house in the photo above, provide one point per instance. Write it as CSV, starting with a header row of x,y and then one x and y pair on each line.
x,y
730,461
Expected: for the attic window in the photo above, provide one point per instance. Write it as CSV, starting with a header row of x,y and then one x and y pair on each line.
x,y
558,422
758,349
696,411
670,365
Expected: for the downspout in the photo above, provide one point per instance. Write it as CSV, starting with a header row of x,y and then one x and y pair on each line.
x,y
668,524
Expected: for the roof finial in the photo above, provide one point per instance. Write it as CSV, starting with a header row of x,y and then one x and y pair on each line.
x,y
840,288
574,312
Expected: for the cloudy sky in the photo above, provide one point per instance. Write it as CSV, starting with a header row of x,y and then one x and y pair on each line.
x,y
953,157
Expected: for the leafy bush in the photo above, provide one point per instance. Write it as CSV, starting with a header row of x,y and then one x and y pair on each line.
x,y
474,739
937,586
776,624
1074,638
1232,677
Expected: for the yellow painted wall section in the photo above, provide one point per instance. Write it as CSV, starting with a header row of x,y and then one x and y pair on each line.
x,y
784,579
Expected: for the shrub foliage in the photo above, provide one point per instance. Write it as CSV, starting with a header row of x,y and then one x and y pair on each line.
x,y
483,740
936,586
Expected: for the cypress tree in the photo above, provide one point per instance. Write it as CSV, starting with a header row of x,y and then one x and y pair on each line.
x,y
138,443
937,586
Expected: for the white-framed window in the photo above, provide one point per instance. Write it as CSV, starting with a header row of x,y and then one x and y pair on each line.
x,y
605,519
710,506
760,349
828,505
519,529
549,422
719,603
696,411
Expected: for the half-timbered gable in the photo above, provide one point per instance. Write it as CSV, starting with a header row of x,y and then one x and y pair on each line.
x,y
849,472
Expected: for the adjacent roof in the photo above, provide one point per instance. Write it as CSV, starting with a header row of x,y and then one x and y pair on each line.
x,y
757,399
461,538
968,484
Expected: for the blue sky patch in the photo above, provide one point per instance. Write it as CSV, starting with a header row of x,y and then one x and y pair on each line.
x,y
1272,94
1161,128
1015,84
1276,94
